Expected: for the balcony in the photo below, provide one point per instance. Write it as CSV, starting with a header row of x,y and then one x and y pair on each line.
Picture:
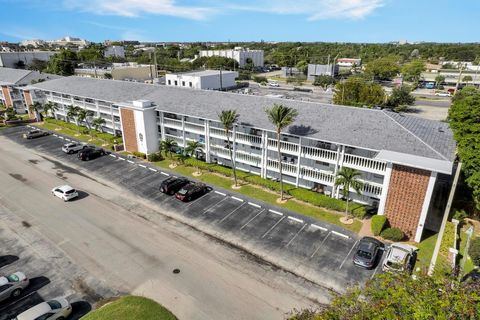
x,y
194,127
249,139
317,175
287,168
319,154
372,188
286,147
219,133
365,164
172,123
220,152
178,140
248,158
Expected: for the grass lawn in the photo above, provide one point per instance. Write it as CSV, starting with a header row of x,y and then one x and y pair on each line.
x,y
129,308
425,250
74,134
264,195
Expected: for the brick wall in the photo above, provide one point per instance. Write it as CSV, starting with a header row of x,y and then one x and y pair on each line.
x,y
406,194
6,96
28,101
129,131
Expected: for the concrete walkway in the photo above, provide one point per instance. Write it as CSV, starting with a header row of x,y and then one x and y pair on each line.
x,y
366,229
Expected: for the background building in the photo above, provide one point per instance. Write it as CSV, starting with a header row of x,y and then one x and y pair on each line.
x,y
238,54
114,51
349,62
22,60
207,80
321,70
68,41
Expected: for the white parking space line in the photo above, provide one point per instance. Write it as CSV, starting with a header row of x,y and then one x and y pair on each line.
x,y
318,227
121,159
130,161
296,234
354,245
238,199
61,137
233,211
55,135
340,234
273,227
67,139
251,219
254,205
321,244
154,170
165,174
295,219
141,165
220,193
112,155
213,205
276,212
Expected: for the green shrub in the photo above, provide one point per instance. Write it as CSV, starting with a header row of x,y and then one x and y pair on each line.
x,y
474,251
259,79
140,155
377,224
153,157
394,234
460,215
447,239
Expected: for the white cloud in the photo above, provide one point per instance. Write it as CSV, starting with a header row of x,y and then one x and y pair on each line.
x,y
134,8
314,9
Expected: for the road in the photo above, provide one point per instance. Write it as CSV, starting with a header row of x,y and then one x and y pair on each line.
x,y
133,255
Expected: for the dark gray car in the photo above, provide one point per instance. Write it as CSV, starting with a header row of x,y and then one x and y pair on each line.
x,y
368,252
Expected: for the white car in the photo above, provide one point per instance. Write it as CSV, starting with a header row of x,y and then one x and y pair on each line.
x,y
443,94
400,257
65,192
56,309
73,147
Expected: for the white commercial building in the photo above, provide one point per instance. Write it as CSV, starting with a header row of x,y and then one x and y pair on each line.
x,y
23,59
207,80
348,62
68,41
114,51
238,54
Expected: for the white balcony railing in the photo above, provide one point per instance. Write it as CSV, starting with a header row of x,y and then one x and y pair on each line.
x,y
220,152
372,188
172,123
219,133
249,139
194,127
362,163
287,168
248,158
319,154
287,147
317,175
178,140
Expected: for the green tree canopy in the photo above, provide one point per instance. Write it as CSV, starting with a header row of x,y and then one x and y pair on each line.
x,y
92,53
383,68
324,81
400,98
63,63
356,91
412,71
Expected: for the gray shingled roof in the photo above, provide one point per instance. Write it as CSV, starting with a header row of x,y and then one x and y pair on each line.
x,y
365,128
23,77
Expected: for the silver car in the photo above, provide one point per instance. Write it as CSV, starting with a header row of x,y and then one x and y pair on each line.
x,y
13,285
400,258
35,134
73,147
56,309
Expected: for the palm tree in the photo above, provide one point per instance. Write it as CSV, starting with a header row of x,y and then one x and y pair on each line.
x,y
83,115
191,150
228,119
50,108
98,123
348,178
72,112
467,79
167,145
281,117
36,109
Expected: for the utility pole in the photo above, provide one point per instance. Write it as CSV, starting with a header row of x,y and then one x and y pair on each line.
x,y
155,62
476,71
459,77
150,64
221,82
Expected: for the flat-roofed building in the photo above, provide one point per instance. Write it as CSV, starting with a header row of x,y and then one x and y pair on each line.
x,y
238,54
206,79
405,162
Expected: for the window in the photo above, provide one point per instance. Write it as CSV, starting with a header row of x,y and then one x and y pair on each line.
x,y
45,316
176,82
169,82
183,83
190,84
116,118
5,287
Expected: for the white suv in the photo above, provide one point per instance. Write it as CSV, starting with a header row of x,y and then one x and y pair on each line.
x,y
73,147
400,257
55,309
65,192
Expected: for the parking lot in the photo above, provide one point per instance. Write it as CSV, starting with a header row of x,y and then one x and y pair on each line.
x,y
51,274
319,252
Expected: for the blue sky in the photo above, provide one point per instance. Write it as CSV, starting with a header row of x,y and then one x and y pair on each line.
x,y
242,20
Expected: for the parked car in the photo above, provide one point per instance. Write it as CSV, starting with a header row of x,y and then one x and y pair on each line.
x,y
56,309
191,191
173,185
73,147
35,134
90,153
13,285
400,257
65,192
367,252
443,94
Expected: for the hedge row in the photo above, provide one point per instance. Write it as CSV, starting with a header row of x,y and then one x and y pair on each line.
x,y
448,239
377,224
301,194
84,130
393,234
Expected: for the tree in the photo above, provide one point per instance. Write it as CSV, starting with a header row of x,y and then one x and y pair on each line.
x,y
281,117
324,81
400,98
84,115
36,109
439,79
50,108
191,150
228,118
348,178
63,63
383,68
302,66
356,91
38,65
98,123
167,145
413,70
72,112
400,296
107,75
248,64
467,79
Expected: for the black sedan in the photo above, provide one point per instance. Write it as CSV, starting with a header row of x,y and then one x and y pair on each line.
x,y
173,185
368,252
191,191
90,153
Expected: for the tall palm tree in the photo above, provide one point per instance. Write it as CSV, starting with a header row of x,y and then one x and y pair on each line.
x,y
72,112
191,150
281,117
36,109
167,145
50,108
228,119
84,115
98,123
348,178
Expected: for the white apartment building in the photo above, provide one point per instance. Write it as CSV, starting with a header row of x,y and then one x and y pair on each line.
x,y
238,54
348,62
68,41
206,80
405,162
114,51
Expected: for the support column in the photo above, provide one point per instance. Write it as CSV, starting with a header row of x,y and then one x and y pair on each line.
x,y
162,126
386,184
183,133
264,155
234,144
207,141
338,167
298,162
426,206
